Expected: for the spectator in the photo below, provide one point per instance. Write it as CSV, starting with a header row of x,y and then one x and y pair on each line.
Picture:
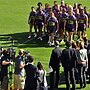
x,y
42,72
68,59
55,64
32,75
19,80
82,65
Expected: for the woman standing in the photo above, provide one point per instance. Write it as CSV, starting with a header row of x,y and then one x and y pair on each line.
x,y
42,75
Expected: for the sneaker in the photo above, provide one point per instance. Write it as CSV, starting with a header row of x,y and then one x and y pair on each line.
x,y
48,42
29,36
52,43
41,38
35,35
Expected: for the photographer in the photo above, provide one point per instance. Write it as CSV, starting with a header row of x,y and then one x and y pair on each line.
x,y
19,80
4,70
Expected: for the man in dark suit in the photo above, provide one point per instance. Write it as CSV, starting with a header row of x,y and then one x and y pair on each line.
x,y
55,64
31,75
68,60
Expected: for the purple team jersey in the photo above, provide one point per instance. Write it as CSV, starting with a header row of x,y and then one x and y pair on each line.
x,y
32,17
52,24
82,22
71,23
40,17
63,18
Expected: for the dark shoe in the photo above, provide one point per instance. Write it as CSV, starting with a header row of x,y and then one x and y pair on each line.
x,y
81,87
84,86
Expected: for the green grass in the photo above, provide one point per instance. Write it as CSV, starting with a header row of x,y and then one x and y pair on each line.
x,y
13,22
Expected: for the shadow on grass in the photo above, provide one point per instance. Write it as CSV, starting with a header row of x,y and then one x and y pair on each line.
x,y
59,89
61,81
21,40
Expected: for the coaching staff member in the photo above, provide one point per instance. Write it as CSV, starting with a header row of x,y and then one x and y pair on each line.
x,y
68,59
55,64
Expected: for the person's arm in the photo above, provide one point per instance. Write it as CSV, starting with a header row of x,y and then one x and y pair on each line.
x,y
29,19
57,26
6,63
86,20
51,59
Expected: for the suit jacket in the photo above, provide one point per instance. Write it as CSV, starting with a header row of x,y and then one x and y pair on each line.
x,y
55,57
69,58
31,77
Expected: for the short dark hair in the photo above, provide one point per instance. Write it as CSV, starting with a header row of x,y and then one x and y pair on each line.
x,y
39,3
68,43
30,58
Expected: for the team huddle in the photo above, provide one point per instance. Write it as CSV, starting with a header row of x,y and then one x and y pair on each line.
x,y
64,20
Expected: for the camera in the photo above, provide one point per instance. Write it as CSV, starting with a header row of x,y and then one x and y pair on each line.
x,y
11,53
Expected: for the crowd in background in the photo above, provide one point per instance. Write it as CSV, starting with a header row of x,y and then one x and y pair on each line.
x,y
65,21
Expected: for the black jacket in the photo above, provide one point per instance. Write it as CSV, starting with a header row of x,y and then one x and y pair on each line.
x,y
31,77
69,58
55,58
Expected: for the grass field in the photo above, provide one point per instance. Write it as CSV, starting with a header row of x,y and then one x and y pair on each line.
x,y
13,22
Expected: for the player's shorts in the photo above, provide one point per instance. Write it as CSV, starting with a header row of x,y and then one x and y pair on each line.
x,y
19,82
61,26
81,27
70,29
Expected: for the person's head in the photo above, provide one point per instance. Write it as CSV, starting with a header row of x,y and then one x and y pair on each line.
x,y
62,2
55,2
85,40
56,43
74,45
79,6
21,51
78,43
47,6
81,11
64,10
70,10
32,8
66,5
68,43
75,5
40,9
39,66
30,59
5,52
56,7
85,9
51,14
39,4
77,10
